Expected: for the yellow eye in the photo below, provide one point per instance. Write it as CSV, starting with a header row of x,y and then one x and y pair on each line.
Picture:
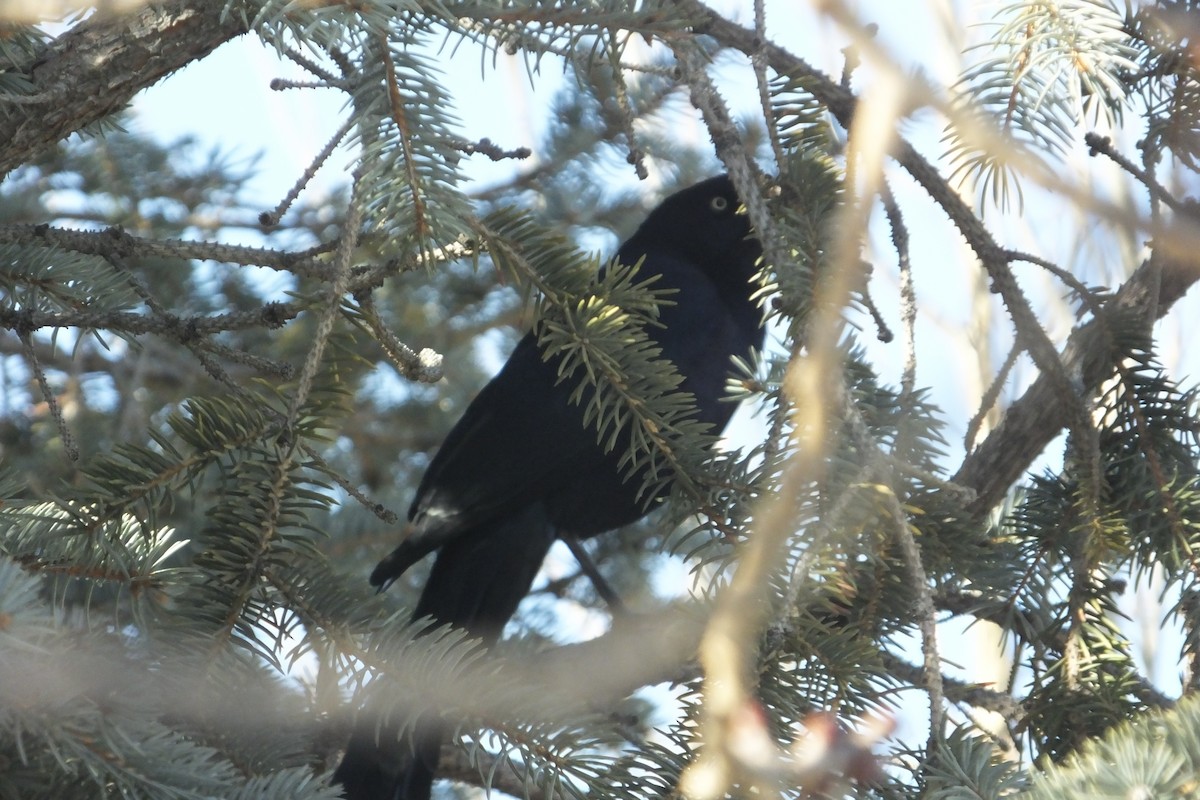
x,y
718,204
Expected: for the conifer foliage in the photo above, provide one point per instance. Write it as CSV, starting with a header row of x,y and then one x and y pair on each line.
x,y
206,445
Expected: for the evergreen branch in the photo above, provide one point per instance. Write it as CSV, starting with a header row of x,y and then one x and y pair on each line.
x,y
824,528
1156,755
817,389
270,218
759,62
181,329
990,395
968,765
957,691
114,242
931,678
1156,462
1032,421
156,473
908,292
273,487
1102,145
97,66
400,117
902,530
424,367
656,433
960,604
86,717
341,265
24,328
1058,402
54,540
57,568
501,776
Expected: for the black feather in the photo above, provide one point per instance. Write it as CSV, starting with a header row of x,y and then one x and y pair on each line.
x,y
521,466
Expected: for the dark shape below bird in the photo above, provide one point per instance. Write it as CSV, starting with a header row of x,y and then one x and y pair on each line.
x,y
520,467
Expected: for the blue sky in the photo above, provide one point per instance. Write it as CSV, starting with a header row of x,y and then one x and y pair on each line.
x,y
225,100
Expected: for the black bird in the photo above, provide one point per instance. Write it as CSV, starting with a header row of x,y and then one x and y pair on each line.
x,y
521,467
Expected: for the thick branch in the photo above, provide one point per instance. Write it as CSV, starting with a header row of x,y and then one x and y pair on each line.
x,y
96,68
1035,419
1031,423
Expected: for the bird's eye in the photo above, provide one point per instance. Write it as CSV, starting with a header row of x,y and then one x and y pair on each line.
x,y
718,204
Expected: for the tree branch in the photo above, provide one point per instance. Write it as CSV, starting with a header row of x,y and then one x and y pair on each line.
x,y
95,69
1033,421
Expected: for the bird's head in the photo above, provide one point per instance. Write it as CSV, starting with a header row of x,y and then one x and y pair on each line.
x,y
705,222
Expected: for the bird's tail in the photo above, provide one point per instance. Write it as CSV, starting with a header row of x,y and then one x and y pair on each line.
x,y
476,583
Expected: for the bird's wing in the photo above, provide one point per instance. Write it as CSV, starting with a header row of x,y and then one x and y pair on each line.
x,y
518,438
521,441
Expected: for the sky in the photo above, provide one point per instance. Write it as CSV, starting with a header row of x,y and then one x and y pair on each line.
x,y
225,100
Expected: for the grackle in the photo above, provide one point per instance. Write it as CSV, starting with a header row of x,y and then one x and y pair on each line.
x,y
520,467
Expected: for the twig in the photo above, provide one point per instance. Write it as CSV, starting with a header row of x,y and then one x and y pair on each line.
x,y
116,242
931,673
990,396
815,385
634,156
1086,295
64,432
758,61
341,270
908,292
424,366
588,567
181,329
1102,145
381,511
958,691
306,63
271,218
490,149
